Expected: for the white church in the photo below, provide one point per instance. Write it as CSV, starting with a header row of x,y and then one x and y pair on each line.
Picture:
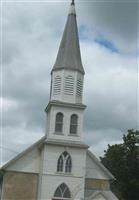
x,y
59,166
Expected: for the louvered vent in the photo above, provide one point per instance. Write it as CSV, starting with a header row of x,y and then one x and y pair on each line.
x,y
57,85
79,87
69,85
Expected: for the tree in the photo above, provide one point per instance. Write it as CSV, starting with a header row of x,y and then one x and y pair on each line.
x,y
123,162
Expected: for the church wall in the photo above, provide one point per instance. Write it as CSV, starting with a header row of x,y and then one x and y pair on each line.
x,y
93,170
27,163
75,185
97,184
51,179
52,153
19,186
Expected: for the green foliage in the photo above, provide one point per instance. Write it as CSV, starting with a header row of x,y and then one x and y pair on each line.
x,y
123,162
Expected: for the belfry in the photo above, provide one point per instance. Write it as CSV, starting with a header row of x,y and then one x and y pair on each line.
x,y
59,166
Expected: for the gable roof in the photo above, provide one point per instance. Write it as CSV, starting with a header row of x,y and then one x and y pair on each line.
x,y
41,141
23,153
104,169
38,143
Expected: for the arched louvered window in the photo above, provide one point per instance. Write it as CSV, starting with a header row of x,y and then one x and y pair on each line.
x,y
59,123
57,85
79,90
73,124
64,163
69,85
62,192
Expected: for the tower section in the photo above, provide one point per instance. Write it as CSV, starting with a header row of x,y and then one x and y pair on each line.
x,y
68,72
67,86
65,109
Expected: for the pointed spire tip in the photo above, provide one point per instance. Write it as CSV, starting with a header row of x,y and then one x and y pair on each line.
x,y
72,3
72,8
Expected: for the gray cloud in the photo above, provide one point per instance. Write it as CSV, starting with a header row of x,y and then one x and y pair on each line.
x,y
115,19
113,90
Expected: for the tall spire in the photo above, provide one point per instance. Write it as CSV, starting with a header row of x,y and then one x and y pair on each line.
x,y
69,56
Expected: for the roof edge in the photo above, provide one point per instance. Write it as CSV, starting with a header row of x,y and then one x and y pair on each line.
x,y
100,165
22,153
66,68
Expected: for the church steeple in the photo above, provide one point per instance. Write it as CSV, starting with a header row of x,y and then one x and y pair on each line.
x,y
68,73
69,56
65,109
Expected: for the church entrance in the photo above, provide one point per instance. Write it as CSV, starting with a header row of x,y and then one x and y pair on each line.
x,y
62,193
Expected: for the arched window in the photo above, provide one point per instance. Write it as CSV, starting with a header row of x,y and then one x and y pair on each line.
x,y
60,164
68,165
59,123
73,124
64,163
62,192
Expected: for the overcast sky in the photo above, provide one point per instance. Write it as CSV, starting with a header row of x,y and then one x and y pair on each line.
x,y
32,32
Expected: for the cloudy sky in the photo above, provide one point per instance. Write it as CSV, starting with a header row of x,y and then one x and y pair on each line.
x,y
31,33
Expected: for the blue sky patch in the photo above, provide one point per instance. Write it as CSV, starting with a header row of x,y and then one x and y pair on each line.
x,y
84,33
93,36
107,44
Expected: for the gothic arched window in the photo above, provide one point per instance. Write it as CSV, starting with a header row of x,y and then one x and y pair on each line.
x,y
62,192
60,164
64,163
68,165
73,124
59,123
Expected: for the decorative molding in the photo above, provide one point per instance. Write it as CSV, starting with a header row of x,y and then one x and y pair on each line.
x,y
64,104
66,143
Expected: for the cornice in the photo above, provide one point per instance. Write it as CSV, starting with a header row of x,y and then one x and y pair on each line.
x,y
64,104
66,143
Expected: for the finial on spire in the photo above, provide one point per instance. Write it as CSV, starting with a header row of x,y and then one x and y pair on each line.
x,y
72,3
72,8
